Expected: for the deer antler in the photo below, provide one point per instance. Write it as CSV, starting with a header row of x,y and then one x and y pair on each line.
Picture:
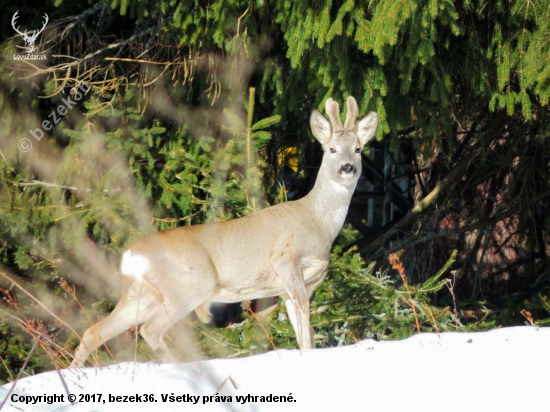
x,y
333,111
353,112
43,26
13,22
34,33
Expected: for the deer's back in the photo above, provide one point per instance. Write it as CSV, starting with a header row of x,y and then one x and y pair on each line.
x,y
241,252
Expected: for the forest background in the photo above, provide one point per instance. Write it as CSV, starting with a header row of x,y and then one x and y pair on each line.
x,y
198,112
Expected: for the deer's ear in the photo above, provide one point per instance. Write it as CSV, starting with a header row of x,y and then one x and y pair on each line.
x,y
320,127
366,128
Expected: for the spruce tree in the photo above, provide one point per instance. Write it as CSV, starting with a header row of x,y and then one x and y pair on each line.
x,y
190,112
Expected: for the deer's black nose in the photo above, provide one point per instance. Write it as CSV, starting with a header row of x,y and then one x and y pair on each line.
x,y
348,168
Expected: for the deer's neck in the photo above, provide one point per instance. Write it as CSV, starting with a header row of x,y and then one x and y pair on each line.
x,y
330,201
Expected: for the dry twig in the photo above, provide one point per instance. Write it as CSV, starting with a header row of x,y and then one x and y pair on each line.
x,y
396,264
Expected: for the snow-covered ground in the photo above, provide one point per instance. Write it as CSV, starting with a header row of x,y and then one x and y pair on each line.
x,y
505,369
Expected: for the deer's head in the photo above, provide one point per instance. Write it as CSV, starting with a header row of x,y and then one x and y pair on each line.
x,y
29,39
343,144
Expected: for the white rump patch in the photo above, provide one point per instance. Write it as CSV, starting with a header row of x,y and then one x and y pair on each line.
x,y
134,265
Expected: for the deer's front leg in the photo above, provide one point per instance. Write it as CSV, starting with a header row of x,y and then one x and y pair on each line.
x,y
313,273
296,300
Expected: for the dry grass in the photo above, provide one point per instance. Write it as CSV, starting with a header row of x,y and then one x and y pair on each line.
x,y
527,315
396,264
256,319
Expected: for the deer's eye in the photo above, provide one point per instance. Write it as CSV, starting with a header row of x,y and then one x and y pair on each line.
x,y
357,150
332,150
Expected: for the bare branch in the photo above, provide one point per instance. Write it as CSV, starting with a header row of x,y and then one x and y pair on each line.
x,y
54,185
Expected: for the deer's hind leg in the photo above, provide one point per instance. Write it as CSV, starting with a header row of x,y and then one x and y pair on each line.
x,y
153,332
190,290
131,310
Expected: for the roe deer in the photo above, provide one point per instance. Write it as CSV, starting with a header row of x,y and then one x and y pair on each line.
x,y
281,250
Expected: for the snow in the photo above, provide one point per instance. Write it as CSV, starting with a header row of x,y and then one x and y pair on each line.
x,y
504,369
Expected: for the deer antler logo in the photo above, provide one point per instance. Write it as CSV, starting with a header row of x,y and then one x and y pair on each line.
x,y
29,40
